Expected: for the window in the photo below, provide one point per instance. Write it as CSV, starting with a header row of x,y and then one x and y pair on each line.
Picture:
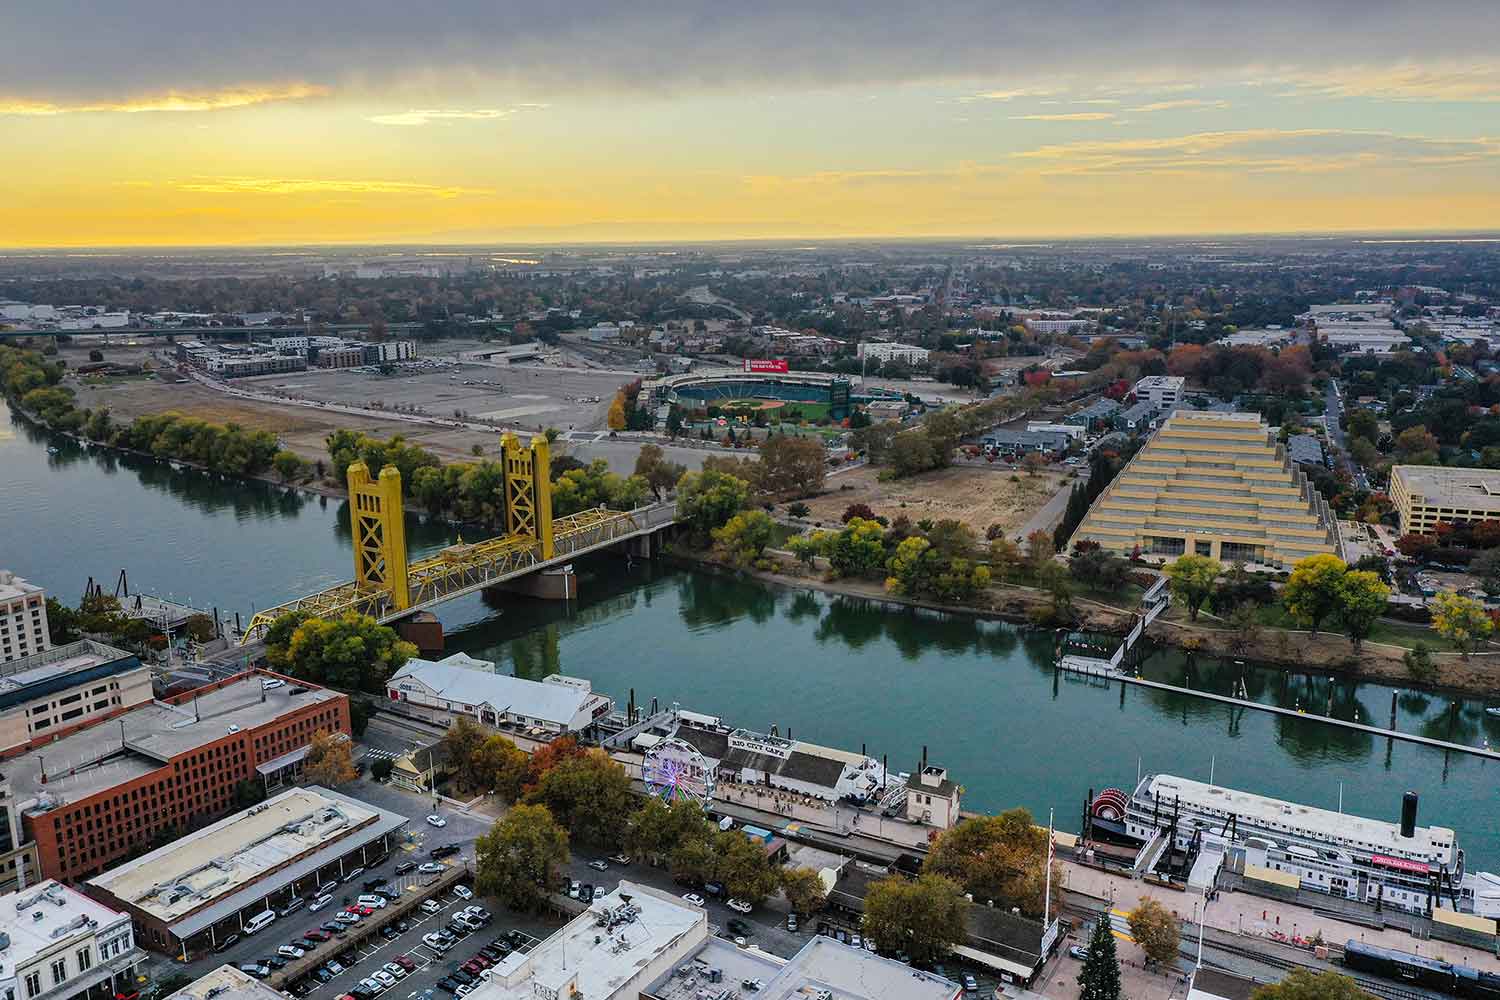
x,y
59,971
85,959
33,984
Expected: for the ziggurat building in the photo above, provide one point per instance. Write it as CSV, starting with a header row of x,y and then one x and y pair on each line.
x,y
1212,484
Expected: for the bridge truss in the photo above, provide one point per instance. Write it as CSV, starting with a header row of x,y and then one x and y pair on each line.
x,y
386,587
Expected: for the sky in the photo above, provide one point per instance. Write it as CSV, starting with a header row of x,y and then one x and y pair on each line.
x,y
208,122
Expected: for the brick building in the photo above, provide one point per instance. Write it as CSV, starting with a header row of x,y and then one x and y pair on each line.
x,y
102,794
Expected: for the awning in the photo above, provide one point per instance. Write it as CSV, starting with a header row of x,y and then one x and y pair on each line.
x,y
283,762
995,962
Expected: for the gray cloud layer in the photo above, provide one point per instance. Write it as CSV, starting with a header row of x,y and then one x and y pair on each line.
x,y
94,49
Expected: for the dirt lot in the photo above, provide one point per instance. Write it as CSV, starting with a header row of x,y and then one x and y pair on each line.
x,y
978,497
525,397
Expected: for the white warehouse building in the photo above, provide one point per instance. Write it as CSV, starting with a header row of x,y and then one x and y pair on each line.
x,y
62,944
462,685
884,351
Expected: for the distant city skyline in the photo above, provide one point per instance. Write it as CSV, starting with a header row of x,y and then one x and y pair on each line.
x,y
164,123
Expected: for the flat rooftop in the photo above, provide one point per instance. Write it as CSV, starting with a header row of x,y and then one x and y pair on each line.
x,y
1320,823
39,917
56,664
222,858
99,757
602,959
226,983
854,974
735,965
1472,488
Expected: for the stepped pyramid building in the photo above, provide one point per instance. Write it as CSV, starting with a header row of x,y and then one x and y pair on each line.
x,y
1213,484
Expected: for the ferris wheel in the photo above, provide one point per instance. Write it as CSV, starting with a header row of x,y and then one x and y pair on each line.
x,y
674,769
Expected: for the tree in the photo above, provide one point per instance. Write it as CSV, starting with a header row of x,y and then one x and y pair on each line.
x,y
1156,931
1461,620
288,465
708,499
808,547
1363,597
656,829
359,717
382,768
743,868
1099,568
248,793
1418,661
463,738
96,355
923,917
1416,446
859,549
1192,580
200,628
1304,984
518,859
803,888
792,464
860,510
500,767
1034,462
589,794
1486,566
352,652
652,466
616,417
744,537
1039,552
329,760
1100,977
1312,593
1000,858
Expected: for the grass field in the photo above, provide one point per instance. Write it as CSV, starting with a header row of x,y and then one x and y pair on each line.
x,y
1391,633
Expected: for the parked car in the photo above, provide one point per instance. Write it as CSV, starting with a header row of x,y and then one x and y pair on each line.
x,y
432,868
1080,953
436,820
463,892
372,884
715,889
405,867
791,922
373,901
227,943
462,976
389,893
479,912
431,906
586,893
383,978
435,942
394,971
739,906
971,985
448,984
333,966
333,927
694,898
445,850
356,873
599,866
345,917
290,951
620,859
737,926
389,933
275,962
318,935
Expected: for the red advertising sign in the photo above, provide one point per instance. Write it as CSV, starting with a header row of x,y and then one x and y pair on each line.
x,y
1400,864
775,365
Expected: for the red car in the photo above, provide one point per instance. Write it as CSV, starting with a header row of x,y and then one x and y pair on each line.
x,y
471,967
363,911
482,962
318,935
405,963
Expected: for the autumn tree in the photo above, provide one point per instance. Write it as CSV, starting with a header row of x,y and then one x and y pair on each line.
x,y
545,758
329,760
1461,620
803,888
1363,597
1304,984
1192,578
1156,931
497,765
743,537
1034,462
1000,858
518,859
589,794
923,917
742,867
792,464
1312,592
463,738
707,500
616,417
652,466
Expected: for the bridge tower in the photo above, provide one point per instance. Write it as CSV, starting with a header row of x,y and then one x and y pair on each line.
x,y
528,489
379,526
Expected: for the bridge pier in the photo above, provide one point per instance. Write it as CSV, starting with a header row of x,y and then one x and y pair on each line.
x,y
422,630
557,584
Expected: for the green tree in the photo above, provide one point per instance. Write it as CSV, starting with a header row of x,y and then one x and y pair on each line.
x,y
288,465
1156,931
808,547
707,500
589,794
1363,597
352,652
1100,976
923,917
804,890
359,717
1419,665
1312,593
859,549
743,537
1304,984
499,766
1192,580
1486,566
742,867
248,793
62,622
659,474
1000,858
382,768
460,744
518,859
1461,620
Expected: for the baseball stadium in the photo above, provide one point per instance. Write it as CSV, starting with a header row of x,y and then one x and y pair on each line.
x,y
813,395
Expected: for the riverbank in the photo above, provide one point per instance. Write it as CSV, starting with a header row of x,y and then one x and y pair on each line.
x,y
1325,652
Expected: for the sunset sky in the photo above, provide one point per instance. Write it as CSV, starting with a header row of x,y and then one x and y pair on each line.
x,y
175,122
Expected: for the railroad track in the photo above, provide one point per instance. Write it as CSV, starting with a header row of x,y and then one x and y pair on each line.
x,y
1379,987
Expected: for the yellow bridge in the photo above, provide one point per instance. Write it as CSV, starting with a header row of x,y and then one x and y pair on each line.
x,y
386,587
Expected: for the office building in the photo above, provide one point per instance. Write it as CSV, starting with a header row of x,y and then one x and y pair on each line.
x,y
462,685
1163,392
1099,414
881,352
100,794
389,351
1212,484
54,692
1428,495
345,356
1305,449
1019,442
1366,338
23,618
187,897
226,983
59,944
19,867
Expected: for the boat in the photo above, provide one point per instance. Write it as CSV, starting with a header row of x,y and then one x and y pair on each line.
x,y
54,450
1492,710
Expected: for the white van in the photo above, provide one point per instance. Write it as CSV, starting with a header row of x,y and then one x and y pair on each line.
x,y
259,921
373,901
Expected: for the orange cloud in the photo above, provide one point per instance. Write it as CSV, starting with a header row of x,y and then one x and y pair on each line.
x,y
291,185
220,100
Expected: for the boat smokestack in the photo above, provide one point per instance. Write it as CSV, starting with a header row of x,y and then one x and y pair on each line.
x,y
1409,815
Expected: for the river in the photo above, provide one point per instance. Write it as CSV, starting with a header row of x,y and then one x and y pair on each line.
x,y
981,696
